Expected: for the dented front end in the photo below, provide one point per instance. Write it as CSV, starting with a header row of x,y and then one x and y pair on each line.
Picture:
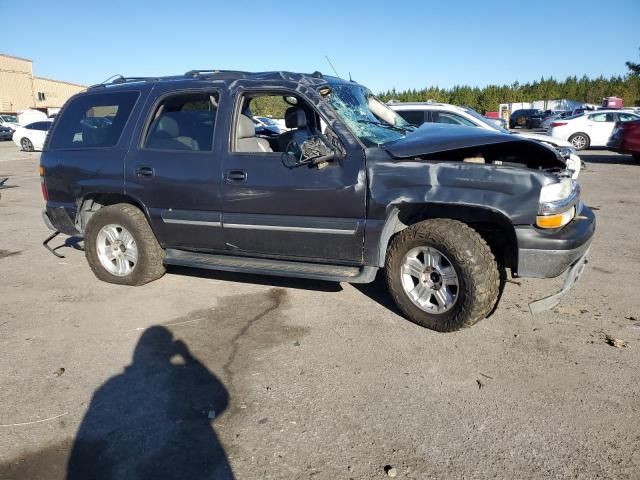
x,y
521,187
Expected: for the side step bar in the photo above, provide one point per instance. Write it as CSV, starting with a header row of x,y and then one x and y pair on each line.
x,y
265,266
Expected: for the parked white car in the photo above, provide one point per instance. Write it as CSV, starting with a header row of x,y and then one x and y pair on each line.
x,y
548,121
31,137
589,129
417,113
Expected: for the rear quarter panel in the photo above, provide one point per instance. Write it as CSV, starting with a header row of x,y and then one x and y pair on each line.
x,y
72,174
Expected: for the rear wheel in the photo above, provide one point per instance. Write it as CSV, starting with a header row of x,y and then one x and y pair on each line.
x,y
636,156
121,247
26,145
442,274
580,141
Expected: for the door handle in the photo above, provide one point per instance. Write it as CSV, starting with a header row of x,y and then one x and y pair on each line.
x,y
235,176
144,171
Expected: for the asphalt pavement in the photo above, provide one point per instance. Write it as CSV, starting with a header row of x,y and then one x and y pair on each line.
x,y
215,375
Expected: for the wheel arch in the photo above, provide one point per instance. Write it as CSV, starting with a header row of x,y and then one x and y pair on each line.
x,y
494,226
90,203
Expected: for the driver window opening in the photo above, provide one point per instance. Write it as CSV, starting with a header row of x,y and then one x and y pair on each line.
x,y
273,123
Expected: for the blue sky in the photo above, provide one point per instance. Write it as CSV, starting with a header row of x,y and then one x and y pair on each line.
x,y
398,44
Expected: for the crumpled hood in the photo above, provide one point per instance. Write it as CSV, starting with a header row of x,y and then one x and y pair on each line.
x,y
439,137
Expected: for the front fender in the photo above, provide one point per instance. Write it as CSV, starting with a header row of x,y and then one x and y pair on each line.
x,y
472,192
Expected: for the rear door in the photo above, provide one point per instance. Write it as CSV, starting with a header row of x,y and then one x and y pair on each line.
x,y
172,169
600,126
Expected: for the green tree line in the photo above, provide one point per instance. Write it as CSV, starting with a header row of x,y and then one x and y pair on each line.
x,y
487,99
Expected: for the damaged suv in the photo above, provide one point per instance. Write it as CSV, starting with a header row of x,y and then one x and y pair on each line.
x,y
169,171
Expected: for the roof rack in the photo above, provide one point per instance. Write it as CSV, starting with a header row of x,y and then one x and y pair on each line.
x,y
120,79
215,73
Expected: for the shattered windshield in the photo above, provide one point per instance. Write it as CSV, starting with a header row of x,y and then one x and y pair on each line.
x,y
368,118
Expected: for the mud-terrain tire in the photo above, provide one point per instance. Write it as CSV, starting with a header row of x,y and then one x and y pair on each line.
x,y
149,254
580,141
478,278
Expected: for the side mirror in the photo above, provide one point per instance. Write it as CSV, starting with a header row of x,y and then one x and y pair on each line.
x,y
313,152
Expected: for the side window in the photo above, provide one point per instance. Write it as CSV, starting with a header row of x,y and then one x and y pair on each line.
x,y
600,117
627,117
93,120
414,117
42,126
451,119
184,122
300,123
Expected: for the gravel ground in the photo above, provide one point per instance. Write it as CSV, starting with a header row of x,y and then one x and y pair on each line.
x,y
202,373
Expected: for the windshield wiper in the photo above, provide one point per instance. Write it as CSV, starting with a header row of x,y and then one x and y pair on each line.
x,y
386,125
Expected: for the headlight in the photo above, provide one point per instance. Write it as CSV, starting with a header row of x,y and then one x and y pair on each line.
x,y
566,151
557,203
556,192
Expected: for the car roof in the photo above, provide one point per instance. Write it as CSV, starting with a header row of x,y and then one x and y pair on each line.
x,y
222,76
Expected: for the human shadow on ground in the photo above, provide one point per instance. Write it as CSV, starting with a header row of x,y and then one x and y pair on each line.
x,y
153,421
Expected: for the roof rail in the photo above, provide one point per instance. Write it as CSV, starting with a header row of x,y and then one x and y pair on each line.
x,y
120,79
212,73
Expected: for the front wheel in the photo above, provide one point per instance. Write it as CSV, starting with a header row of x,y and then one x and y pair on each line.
x,y
121,247
442,274
636,156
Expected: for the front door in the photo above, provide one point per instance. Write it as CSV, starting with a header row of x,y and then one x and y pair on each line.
x,y
173,170
301,213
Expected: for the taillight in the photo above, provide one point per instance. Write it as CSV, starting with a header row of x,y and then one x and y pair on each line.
x,y
558,124
43,186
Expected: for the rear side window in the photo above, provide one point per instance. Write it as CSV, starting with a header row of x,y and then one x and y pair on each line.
x,y
93,121
42,126
602,117
184,122
414,117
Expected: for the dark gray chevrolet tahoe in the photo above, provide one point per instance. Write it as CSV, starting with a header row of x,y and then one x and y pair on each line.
x,y
169,171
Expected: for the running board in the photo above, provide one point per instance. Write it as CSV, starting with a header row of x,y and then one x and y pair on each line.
x,y
265,266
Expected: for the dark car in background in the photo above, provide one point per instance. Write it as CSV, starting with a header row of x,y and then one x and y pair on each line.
x,y
625,138
527,117
5,133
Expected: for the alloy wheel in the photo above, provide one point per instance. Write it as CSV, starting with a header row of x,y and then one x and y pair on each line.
x,y
117,250
429,280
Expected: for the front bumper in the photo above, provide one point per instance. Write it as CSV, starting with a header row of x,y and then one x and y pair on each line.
x,y
547,254
573,274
